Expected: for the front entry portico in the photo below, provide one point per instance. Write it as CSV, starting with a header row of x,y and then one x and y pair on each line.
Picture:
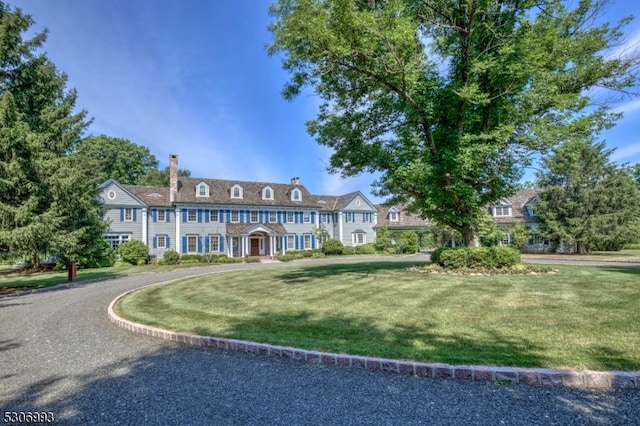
x,y
257,239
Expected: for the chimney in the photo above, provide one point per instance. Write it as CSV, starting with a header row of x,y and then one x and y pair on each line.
x,y
295,181
173,177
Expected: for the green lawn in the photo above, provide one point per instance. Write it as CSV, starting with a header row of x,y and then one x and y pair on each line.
x,y
583,318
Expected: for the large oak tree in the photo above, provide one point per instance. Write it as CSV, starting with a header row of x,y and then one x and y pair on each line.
x,y
448,99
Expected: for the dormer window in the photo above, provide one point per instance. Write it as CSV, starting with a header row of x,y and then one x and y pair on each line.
x,y
394,214
202,190
503,209
296,195
236,191
531,207
267,193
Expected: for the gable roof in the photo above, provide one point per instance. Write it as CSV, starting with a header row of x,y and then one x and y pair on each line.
x,y
152,196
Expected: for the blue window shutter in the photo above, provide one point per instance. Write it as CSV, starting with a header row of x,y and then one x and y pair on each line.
x,y
221,245
199,244
121,214
155,242
184,216
228,216
168,242
295,241
297,217
207,216
199,215
135,211
279,218
154,213
313,217
260,216
167,215
206,245
184,244
313,241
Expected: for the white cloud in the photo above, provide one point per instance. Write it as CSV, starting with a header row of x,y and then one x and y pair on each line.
x,y
628,107
626,153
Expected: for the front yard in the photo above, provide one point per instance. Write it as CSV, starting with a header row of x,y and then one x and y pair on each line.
x,y
586,317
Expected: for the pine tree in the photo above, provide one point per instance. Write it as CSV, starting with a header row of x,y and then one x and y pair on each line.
x,y
48,199
586,199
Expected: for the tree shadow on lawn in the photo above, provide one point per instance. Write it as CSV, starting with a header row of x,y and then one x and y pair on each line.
x,y
408,342
364,269
633,270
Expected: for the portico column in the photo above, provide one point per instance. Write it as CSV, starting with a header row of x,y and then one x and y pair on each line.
x,y
144,227
340,226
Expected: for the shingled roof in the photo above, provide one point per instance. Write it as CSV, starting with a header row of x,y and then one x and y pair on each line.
x,y
153,196
519,211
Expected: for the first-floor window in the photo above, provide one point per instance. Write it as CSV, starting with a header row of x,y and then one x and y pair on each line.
x,y
116,239
358,238
161,241
214,243
506,238
192,243
307,241
291,242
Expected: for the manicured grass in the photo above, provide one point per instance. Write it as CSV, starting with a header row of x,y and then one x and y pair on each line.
x,y
583,318
629,255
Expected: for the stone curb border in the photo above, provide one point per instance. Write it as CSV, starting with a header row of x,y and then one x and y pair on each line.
x,y
504,375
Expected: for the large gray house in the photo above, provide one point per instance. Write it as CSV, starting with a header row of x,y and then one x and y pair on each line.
x,y
236,218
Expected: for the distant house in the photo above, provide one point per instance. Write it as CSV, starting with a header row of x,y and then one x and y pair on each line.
x,y
236,218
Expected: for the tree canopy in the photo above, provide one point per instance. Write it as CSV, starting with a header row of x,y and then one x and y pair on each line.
x,y
586,199
447,100
117,158
48,199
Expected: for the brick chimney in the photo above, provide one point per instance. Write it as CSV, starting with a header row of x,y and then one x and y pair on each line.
x,y
173,177
295,181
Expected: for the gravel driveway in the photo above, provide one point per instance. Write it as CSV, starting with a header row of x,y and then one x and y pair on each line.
x,y
59,353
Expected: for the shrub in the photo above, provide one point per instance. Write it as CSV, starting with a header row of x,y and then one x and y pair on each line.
x,y
409,242
348,250
252,259
476,257
101,255
288,257
368,248
632,246
191,258
171,257
332,247
133,252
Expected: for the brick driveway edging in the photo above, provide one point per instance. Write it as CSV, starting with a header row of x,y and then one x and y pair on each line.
x,y
585,379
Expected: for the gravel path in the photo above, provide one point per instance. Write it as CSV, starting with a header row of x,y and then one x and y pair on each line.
x,y
60,353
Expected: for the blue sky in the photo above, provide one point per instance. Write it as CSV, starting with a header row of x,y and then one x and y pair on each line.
x,y
192,77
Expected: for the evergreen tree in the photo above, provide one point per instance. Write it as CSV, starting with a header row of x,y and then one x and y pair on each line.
x,y
447,100
586,199
48,199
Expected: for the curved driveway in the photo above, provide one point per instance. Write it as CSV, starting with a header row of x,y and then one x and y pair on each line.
x,y
60,353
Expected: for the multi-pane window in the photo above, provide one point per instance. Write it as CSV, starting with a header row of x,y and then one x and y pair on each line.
x,y
502,211
192,243
295,195
272,217
161,215
348,217
192,216
268,195
235,216
393,216
254,216
307,217
307,241
289,217
214,243
236,192
116,239
214,216
291,242
506,238
128,214
161,241
358,238
203,190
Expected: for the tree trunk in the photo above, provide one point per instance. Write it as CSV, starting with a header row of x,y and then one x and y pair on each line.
x,y
471,236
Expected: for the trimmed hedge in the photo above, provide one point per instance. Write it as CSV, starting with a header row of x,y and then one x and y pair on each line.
x,y
332,247
476,257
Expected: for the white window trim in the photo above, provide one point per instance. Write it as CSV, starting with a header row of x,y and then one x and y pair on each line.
x,y
393,217
240,192
307,241
128,214
201,186
268,196
254,217
162,215
164,241
296,195
215,238
290,217
237,216
354,238
195,249
306,217
272,217
213,212
501,211
195,215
